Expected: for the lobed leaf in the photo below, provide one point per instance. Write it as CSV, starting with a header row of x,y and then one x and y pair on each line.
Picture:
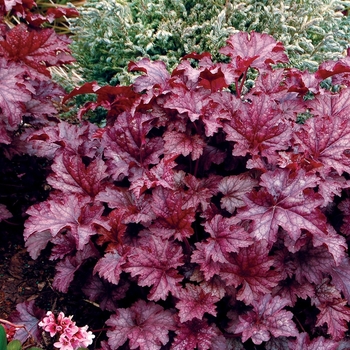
x,y
268,318
146,325
155,264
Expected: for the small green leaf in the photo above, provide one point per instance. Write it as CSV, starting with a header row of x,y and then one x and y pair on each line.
x,y
14,345
3,339
34,348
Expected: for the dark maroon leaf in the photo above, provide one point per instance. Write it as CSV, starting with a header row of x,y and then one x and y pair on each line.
x,y
258,129
331,186
333,310
180,143
145,325
14,91
195,302
233,189
163,174
113,236
291,290
208,266
64,243
268,318
4,213
110,267
87,88
129,142
282,203
301,82
106,294
76,139
312,263
226,236
156,78
341,278
215,285
333,137
73,212
200,191
197,334
269,83
71,175
261,49
338,70
66,268
172,220
58,12
155,265
344,206
337,316
42,102
134,209
36,49
36,242
319,343
335,243
191,102
251,269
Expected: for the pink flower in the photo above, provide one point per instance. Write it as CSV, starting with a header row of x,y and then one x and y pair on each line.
x,y
71,337
65,322
64,343
49,324
84,337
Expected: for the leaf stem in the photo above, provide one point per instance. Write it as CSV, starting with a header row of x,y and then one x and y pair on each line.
x,y
299,323
196,168
187,247
12,324
239,92
10,223
100,330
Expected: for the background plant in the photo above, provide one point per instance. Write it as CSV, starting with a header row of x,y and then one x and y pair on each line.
x,y
109,33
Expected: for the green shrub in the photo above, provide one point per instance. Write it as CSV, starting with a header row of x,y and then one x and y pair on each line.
x,y
110,33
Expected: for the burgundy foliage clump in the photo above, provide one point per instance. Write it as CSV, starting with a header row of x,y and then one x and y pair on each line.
x,y
209,213
29,99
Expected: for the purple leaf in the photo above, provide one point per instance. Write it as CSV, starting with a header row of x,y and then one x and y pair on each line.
x,y
4,213
282,203
28,315
146,325
197,334
195,302
155,265
268,318
110,267
261,49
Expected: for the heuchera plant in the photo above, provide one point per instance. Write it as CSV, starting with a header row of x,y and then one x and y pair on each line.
x,y
29,99
212,213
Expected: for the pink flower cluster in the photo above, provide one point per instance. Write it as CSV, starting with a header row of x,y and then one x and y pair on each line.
x,y
71,337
